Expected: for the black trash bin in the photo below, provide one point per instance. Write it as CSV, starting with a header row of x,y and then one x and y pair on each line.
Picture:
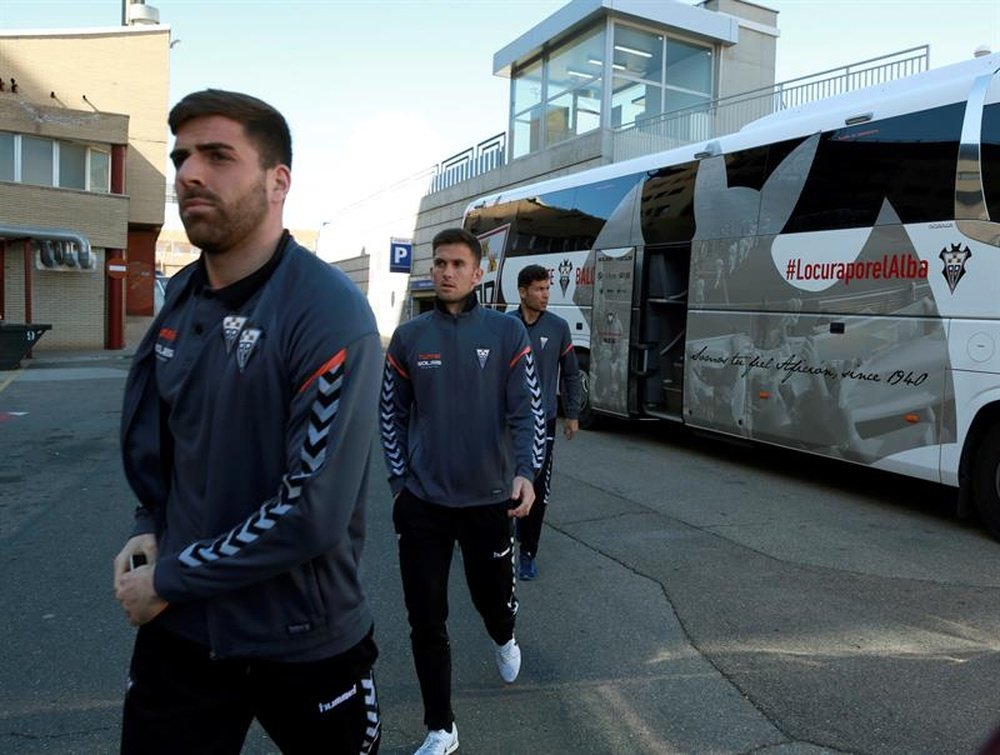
x,y
16,340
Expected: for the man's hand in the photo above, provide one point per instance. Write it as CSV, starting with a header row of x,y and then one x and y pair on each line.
x,y
570,428
144,544
524,491
134,590
134,587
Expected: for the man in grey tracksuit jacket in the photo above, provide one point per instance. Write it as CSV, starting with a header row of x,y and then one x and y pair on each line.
x,y
260,524
246,433
263,562
470,376
552,345
461,418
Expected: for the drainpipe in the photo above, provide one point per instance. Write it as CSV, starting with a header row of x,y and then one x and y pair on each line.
x,y
114,286
114,283
3,282
28,265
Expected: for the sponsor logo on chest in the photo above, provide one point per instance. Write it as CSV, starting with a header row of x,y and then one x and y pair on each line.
x,y
433,360
236,334
429,361
164,347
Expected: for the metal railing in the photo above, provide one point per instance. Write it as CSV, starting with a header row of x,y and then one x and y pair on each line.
x,y
488,155
727,115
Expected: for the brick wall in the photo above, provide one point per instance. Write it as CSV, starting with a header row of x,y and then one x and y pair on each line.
x,y
105,87
122,71
73,303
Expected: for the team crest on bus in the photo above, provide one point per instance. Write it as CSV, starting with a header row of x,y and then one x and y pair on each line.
x,y
246,347
565,268
954,260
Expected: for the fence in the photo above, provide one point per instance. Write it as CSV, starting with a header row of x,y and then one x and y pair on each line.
x,y
482,158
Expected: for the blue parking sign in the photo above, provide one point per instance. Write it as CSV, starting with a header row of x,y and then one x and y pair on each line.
x,y
400,255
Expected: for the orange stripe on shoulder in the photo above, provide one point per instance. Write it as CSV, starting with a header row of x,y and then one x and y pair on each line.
x,y
517,357
397,367
335,361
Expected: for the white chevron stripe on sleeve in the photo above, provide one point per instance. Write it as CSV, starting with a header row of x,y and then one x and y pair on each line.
x,y
313,454
390,439
537,412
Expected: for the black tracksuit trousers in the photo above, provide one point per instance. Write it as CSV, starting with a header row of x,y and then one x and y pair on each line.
x,y
427,536
529,528
181,699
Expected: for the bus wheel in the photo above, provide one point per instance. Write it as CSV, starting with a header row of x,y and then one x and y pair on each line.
x,y
986,481
588,420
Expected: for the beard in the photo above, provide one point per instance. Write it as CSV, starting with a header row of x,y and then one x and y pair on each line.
x,y
535,306
228,223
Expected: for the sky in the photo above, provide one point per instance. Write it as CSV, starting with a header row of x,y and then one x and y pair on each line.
x,y
377,90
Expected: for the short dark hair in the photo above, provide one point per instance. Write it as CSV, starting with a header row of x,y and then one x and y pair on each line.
x,y
458,236
264,126
530,274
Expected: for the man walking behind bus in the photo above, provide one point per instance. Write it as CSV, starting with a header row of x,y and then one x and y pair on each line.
x,y
246,427
463,434
553,348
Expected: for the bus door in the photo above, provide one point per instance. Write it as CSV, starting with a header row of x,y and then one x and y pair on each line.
x,y
611,322
662,310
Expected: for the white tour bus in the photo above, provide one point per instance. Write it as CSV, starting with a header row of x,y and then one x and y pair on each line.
x,y
825,279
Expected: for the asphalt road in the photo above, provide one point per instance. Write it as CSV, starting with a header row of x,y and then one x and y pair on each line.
x,y
694,597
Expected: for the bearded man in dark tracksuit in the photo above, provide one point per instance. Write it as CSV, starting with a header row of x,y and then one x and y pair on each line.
x,y
246,428
553,348
463,435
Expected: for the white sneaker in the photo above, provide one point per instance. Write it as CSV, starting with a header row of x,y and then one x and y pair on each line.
x,y
508,660
440,742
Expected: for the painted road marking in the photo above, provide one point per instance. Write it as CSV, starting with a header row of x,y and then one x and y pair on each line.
x,y
10,380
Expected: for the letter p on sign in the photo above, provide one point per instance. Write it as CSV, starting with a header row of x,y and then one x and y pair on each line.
x,y
400,255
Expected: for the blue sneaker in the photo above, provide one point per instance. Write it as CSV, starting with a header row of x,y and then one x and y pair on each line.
x,y
526,569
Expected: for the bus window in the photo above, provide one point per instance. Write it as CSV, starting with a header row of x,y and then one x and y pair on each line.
x,y
668,205
568,220
547,223
482,220
909,160
601,199
727,194
990,157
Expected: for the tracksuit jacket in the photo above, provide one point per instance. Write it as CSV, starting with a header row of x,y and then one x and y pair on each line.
x,y
552,346
462,410
271,555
